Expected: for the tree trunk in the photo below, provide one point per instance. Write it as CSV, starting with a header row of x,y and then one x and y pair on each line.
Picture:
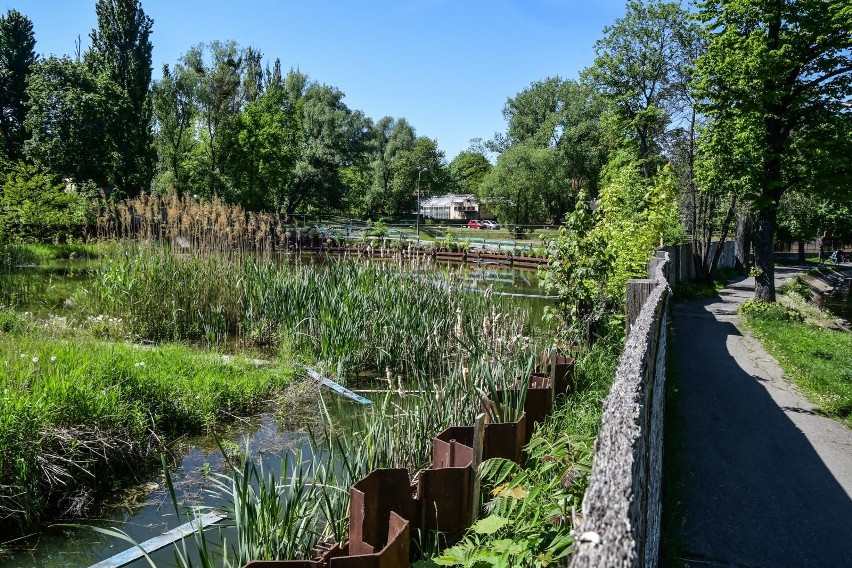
x,y
723,237
743,242
764,257
801,252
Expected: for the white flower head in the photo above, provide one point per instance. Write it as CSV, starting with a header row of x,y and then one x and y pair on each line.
x,y
53,359
35,359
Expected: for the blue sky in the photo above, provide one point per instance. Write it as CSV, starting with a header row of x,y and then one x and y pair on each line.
x,y
447,66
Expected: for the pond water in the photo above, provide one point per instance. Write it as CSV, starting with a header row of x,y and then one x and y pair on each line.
x,y
840,303
145,510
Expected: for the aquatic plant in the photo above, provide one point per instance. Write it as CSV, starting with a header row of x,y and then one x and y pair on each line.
x,y
345,315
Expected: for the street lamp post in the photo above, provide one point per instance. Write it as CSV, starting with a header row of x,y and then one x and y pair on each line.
x,y
417,218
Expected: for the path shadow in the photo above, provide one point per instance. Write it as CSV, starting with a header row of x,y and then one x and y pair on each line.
x,y
743,485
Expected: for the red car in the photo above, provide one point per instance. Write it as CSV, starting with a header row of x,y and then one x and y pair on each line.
x,y
474,224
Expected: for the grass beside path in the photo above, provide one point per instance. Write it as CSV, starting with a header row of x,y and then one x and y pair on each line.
x,y
817,359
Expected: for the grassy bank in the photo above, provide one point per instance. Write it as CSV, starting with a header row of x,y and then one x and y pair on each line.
x,y
28,254
75,414
817,359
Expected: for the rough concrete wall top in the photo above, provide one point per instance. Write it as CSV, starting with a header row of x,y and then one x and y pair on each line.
x,y
613,504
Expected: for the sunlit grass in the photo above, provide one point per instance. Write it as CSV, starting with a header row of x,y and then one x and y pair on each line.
x,y
817,359
76,413
344,314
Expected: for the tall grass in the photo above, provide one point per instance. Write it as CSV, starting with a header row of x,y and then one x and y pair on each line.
x,y
182,222
75,414
536,502
346,315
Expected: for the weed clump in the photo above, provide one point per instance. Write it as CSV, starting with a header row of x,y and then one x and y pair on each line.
x,y
769,311
798,287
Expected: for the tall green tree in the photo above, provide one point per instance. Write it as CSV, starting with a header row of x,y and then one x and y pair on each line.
x,y
219,69
566,116
263,162
121,50
17,56
421,170
777,82
639,65
527,187
467,170
391,139
175,99
326,140
69,118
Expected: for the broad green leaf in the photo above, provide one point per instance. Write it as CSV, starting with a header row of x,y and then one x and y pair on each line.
x,y
490,524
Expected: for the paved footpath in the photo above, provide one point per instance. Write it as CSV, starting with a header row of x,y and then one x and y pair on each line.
x,y
754,477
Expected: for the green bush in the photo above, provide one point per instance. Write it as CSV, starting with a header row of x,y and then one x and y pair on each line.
x,y
10,320
34,206
769,311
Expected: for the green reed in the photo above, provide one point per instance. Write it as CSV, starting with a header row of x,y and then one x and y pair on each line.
x,y
286,517
342,314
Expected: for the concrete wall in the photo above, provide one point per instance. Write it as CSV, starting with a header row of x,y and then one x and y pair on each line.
x,y
683,266
621,508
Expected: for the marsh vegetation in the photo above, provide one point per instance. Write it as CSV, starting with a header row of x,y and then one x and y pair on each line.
x,y
101,372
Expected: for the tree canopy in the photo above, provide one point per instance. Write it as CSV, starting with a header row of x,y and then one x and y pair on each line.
x,y
776,82
121,51
17,57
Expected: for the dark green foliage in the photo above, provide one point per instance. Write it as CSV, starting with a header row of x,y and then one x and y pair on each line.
x,y
33,206
580,263
527,186
774,80
263,160
17,56
553,148
121,52
641,67
467,170
71,113
530,511
176,109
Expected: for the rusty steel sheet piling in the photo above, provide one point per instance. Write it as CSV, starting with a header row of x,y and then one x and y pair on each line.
x,y
443,500
504,439
453,447
562,373
372,501
385,508
538,403
395,554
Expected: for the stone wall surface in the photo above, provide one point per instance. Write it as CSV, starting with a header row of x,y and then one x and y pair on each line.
x,y
621,508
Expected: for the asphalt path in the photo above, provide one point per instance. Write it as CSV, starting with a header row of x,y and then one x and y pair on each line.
x,y
754,475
